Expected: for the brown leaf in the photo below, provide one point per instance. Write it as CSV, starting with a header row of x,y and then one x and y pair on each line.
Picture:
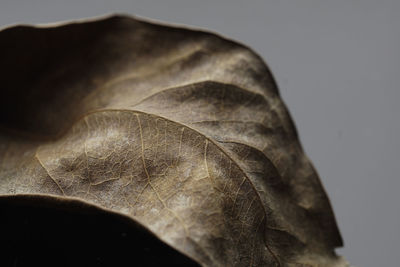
x,y
180,130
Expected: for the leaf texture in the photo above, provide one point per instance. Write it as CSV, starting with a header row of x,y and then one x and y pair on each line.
x,y
182,131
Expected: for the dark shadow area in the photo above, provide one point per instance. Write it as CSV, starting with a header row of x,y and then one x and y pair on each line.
x,y
44,231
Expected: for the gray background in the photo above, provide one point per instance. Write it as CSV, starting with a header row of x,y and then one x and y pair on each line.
x,y
337,64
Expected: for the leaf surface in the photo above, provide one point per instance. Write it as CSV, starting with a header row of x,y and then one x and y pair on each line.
x,y
182,131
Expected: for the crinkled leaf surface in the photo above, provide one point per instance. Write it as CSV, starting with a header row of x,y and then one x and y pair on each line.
x,y
182,131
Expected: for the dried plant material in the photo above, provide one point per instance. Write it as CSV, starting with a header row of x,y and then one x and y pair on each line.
x,y
182,131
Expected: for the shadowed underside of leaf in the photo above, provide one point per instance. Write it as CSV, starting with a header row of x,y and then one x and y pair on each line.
x,y
48,231
180,130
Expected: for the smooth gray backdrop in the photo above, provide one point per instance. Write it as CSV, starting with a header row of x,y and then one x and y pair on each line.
x,y
337,64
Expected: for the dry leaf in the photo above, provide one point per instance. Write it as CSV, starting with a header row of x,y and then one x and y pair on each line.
x,y
181,131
